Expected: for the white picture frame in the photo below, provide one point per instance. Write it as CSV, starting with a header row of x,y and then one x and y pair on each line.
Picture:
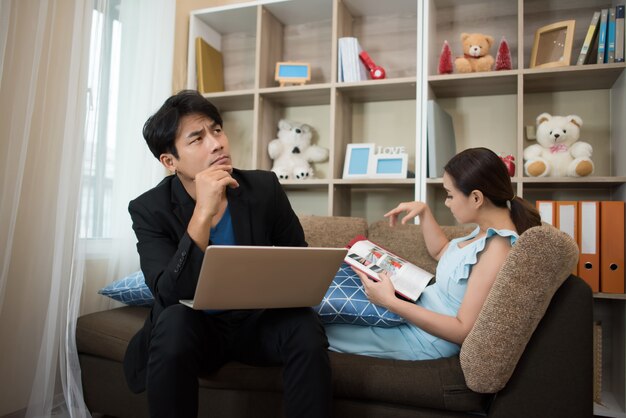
x,y
390,166
359,161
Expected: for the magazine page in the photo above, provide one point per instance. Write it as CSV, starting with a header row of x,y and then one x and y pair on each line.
x,y
408,279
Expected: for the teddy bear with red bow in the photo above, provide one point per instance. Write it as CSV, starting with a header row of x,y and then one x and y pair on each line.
x,y
558,152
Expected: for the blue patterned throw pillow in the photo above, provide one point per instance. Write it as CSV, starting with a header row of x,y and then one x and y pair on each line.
x,y
131,290
345,303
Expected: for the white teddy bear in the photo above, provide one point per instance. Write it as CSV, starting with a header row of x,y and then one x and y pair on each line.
x,y
558,152
292,151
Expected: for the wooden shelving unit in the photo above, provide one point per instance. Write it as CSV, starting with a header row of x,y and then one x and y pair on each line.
x,y
492,109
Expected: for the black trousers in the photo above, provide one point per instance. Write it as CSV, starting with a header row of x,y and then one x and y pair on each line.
x,y
186,344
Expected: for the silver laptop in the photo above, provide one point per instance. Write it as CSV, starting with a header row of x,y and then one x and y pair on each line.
x,y
254,277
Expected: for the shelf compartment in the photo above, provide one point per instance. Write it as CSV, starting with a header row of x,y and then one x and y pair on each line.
x,y
387,31
296,31
370,201
447,19
492,83
610,313
232,31
572,78
288,103
312,200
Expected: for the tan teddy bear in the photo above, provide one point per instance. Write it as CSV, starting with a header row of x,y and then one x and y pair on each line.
x,y
475,53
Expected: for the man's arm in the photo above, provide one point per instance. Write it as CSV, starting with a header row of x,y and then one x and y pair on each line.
x,y
170,265
286,230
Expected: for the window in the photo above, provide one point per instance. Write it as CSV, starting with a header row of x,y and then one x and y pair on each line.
x,y
100,128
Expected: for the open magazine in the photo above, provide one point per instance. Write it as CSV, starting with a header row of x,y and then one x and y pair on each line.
x,y
408,279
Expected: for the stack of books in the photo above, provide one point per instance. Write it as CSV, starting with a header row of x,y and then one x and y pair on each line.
x,y
605,39
349,65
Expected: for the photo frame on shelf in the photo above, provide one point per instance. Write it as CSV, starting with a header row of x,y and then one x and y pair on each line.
x,y
359,161
553,45
390,166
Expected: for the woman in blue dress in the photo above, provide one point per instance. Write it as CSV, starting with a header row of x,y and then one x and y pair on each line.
x,y
479,191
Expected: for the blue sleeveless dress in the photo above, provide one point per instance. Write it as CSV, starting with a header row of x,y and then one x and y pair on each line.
x,y
407,341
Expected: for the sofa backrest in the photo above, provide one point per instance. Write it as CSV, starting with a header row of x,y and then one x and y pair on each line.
x,y
407,241
332,231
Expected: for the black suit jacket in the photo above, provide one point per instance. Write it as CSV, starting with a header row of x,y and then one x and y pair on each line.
x,y
170,260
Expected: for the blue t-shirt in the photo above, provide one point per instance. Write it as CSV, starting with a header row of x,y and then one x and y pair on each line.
x,y
222,234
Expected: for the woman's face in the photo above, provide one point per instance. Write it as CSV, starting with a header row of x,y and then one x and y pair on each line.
x,y
460,205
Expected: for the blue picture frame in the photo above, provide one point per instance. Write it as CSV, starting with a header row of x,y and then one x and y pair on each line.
x,y
359,161
390,166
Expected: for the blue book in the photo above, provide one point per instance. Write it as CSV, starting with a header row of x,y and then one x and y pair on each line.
x,y
610,37
604,23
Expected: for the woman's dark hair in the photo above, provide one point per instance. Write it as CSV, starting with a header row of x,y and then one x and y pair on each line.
x,y
481,169
160,129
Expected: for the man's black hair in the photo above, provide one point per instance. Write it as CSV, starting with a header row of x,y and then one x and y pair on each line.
x,y
160,129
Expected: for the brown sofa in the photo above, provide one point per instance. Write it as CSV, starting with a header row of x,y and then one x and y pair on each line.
x,y
538,365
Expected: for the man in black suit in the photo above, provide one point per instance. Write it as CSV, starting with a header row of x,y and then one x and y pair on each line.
x,y
207,201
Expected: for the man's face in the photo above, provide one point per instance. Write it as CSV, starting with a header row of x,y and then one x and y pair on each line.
x,y
200,143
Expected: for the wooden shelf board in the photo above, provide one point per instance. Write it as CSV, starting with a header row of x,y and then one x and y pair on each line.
x,y
571,78
309,183
374,182
305,95
558,182
490,83
232,100
572,182
380,8
380,90
616,296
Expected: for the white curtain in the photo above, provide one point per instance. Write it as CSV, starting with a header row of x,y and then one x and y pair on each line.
x,y
45,270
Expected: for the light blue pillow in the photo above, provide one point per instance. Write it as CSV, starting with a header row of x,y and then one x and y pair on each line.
x,y
131,290
345,303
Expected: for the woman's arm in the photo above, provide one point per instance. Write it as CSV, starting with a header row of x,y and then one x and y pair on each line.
x,y
454,329
436,240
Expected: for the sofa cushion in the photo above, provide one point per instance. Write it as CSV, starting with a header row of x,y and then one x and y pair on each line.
x,y
435,384
332,231
345,302
542,258
130,290
106,334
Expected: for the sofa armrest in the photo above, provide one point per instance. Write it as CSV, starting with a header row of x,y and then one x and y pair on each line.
x,y
535,268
